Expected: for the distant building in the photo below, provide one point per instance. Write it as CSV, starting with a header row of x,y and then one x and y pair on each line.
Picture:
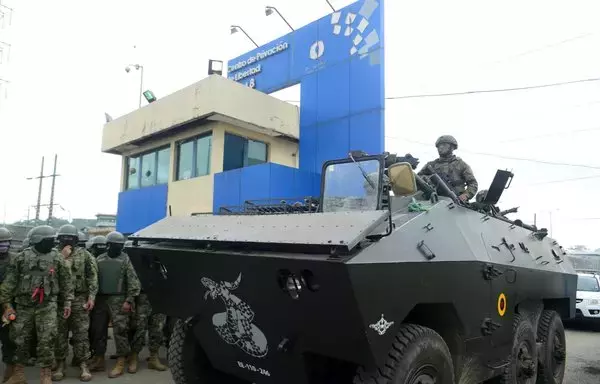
x,y
105,220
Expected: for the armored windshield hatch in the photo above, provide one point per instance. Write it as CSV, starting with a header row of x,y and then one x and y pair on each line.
x,y
341,229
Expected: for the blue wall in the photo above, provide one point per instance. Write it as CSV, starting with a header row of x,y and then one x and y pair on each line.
x,y
264,181
139,208
339,62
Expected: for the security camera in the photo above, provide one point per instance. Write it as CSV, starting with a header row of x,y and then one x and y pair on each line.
x,y
127,69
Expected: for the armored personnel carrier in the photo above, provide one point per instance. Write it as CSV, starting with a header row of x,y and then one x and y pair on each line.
x,y
386,278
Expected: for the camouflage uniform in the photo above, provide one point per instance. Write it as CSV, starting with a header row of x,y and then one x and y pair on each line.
x,y
144,320
8,346
118,284
84,274
452,169
36,279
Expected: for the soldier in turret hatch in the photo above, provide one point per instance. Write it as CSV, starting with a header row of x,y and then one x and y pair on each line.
x,y
452,169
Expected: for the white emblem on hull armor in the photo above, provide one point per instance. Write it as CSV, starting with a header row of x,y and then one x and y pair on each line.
x,y
235,324
381,326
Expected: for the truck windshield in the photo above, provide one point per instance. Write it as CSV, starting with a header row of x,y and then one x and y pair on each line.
x,y
588,284
352,186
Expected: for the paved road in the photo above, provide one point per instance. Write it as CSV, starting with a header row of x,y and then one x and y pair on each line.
x,y
583,354
583,362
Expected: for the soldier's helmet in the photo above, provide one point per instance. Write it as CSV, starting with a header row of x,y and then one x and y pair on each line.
x,y
98,240
82,237
115,238
67,231
480,196
5,234
40,233
446,139
25,243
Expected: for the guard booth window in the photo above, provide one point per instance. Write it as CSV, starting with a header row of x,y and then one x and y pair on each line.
x,y
194,157
241,152
148,169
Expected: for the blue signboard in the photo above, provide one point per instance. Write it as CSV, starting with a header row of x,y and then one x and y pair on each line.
x,y
339,62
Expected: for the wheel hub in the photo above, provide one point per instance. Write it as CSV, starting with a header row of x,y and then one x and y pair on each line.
x,y
559,354
424,375
525,364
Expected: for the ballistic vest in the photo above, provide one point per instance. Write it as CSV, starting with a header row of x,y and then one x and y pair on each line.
x,y
76,263
111,274
39,271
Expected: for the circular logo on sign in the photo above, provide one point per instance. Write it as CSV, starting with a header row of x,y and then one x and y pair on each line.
x,y
317,50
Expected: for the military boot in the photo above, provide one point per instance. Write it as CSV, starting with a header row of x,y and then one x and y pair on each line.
x,y
154,362
59,372
8,372
85,373
118,369
45,376
132,363
97,364
18,375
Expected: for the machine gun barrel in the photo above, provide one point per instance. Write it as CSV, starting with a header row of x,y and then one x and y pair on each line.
x,y
507,211
438,180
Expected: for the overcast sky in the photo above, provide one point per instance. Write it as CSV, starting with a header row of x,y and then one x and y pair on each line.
x,y
67,69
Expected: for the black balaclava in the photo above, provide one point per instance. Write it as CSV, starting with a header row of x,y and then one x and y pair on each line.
x,y
98,249
114,249
63,241
45,246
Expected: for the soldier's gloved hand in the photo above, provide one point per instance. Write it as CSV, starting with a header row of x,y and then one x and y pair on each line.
x,y
67,312
463,197
126,307
89,305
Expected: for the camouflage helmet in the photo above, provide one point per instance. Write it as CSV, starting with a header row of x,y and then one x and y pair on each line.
x,y
67,230
41,232
98,240
446,139
82,236
480,196
115,238
25,243
29,233
5,234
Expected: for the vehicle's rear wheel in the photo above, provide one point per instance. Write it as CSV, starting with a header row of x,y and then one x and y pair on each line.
x,y
418,356
551,333
522,366
188,362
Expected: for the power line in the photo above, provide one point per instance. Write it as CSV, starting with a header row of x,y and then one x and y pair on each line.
x,y
494,90
524,88
505,157
548,135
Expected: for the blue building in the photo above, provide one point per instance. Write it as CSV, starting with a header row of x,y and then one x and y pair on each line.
x,y
220,142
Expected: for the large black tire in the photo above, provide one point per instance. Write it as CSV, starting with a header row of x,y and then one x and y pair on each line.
x,y
418,356
188,362
551,333
522,362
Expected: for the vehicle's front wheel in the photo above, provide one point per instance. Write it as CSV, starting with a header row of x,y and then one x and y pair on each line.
x,y
522,362
418,356
551,333
188,362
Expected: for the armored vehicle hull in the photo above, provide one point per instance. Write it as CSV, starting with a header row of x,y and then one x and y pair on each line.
x,y
377,289
450,269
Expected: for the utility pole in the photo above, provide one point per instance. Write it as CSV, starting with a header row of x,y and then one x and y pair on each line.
x,y
39,197
50,208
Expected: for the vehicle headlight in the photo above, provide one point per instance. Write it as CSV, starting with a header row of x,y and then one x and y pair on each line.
x,y
594,302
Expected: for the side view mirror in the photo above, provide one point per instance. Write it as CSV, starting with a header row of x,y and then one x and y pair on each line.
x,y
402,179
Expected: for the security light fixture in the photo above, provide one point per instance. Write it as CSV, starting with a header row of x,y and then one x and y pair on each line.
x,y
149,95
237,28
138,67
215,67
269,11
